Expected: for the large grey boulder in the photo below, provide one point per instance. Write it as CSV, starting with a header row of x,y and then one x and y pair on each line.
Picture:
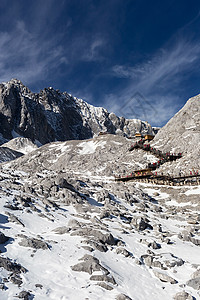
x,y
89,265
33,243
164,277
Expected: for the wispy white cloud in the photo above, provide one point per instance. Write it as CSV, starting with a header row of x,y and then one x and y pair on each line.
x,y
155,80
93,51
26,56
166,64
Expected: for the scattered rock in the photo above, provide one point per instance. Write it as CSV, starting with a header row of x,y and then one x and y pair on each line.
x,y
183,296
88,248
164,277
2,287
16,279
104,238
13,218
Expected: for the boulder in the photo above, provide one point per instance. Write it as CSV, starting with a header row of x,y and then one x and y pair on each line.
x,y
164,277
183,296
194,283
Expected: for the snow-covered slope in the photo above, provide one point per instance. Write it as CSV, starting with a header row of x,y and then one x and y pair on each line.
x,y
75,233
102,156
54,116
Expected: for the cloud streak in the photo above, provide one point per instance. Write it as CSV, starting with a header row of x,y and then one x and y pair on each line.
x,y
26,56
157,78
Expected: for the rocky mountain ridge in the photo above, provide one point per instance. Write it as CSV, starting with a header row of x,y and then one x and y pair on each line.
x,y
51,115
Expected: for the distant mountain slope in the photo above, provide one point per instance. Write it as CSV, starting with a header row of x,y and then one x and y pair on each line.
x,y
7,154
24,145
54,116
182,134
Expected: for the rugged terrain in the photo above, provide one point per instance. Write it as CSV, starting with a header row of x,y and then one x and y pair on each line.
x,y
70,231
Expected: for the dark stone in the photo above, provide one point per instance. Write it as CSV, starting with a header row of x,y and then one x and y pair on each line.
x,y
33,243
24,295
10,266
16,280
3,238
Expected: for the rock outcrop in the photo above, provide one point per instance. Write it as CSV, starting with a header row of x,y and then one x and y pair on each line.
x,y
182,134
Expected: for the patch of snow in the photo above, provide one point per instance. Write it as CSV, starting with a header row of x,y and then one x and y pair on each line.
x,y
191,127
195,191
89,147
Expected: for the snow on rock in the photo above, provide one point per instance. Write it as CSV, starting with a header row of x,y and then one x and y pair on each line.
x,y
90,146
23,145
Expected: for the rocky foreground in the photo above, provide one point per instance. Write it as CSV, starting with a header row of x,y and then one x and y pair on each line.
x,y
69,231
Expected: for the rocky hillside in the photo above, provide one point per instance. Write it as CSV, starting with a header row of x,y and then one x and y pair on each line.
x,y
182,134
51,116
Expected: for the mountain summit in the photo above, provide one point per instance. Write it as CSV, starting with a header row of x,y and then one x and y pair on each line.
x,y
51,115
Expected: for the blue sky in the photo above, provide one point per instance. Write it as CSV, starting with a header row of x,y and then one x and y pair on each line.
x,y
137,58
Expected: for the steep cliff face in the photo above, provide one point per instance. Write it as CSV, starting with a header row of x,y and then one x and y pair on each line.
x,y
182,134
54,116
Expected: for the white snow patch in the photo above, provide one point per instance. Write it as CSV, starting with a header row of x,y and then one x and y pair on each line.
x,y
193,191
89,147
191,127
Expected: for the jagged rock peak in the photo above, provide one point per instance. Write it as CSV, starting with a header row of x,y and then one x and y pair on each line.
x,y
51,115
